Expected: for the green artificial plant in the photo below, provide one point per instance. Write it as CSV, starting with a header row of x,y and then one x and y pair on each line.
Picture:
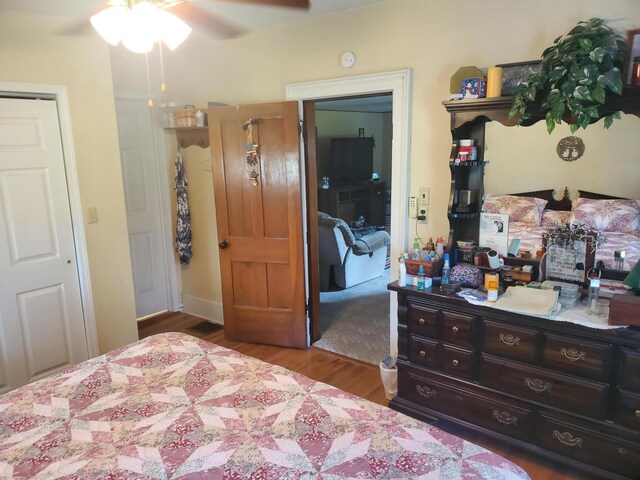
x,y
577,72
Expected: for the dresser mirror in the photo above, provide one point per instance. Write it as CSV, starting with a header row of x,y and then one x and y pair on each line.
x,y
528,159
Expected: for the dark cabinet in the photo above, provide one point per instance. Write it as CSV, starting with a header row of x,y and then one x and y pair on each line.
x,y
558,389
350,201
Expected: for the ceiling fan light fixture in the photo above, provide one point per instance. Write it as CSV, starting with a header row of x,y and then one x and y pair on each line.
x,y
173,31
140,26
108,23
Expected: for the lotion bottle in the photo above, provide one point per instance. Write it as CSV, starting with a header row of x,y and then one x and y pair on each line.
x,y
421,287
446,269
402,273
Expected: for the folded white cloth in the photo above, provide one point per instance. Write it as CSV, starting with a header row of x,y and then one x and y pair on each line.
x,y
529,301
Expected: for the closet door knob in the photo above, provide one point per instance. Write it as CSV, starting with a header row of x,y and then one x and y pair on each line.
x,y
223,244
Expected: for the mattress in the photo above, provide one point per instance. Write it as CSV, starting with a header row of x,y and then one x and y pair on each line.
x,y
173,406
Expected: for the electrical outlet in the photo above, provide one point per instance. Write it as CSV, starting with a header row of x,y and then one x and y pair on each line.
x,y
413,207
423,197
423,214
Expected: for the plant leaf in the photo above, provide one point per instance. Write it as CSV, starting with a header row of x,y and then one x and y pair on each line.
x,y
597,54
598,93
608,121
616,115
582,93
573,127
551,123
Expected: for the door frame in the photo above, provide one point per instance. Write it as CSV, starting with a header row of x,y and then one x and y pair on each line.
x,y
60,94
399,83
163,182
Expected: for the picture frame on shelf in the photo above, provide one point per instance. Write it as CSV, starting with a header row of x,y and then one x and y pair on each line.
x,y
514,73
633,50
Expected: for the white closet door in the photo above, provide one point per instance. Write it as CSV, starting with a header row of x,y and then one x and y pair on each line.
x,y
41,321
142,198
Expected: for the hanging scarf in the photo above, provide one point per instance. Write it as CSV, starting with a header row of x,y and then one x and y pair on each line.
x,y
183,217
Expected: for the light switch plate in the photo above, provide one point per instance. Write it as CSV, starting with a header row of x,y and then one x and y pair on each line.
x,y
92,215
423,197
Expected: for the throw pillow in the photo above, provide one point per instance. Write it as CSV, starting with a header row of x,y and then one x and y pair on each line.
x,y
615,215
520,209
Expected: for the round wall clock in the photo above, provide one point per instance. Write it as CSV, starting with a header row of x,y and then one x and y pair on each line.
x,y
570,149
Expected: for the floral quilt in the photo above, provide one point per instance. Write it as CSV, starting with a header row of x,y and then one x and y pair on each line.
x,y
172,406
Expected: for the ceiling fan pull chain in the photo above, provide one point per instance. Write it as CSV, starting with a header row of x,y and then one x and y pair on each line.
x,y
150,101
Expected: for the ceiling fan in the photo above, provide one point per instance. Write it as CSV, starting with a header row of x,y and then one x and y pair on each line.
x,y
139,24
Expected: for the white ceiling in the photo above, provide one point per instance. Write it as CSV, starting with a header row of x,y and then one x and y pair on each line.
x,y
248,16
375,104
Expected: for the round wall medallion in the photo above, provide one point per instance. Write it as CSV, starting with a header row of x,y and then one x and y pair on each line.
x,y
570,149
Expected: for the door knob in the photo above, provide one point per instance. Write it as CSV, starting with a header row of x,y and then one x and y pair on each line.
x,y
223,244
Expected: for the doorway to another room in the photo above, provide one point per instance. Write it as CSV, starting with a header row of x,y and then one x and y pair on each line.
x,y
353,164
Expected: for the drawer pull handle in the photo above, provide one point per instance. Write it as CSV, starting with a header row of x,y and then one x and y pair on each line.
x,y
504,418
572,354
425,391
567,439
537,385
637,413
622,451
509,340
422,353
458,398
454,329
422,321
455,362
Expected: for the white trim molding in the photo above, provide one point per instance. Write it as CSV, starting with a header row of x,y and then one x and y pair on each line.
x,y
399,84
73,186
203,308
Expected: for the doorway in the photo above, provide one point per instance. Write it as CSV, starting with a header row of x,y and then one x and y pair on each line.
x,y
399,84
353,161
145,178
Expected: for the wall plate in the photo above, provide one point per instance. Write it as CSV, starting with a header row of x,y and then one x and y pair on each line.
x,y
348,59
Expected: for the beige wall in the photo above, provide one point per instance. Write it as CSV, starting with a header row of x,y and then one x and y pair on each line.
x,y
525,159
32,53
434,38
332,124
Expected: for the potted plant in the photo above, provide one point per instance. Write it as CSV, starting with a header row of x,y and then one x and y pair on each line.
x,y
578,71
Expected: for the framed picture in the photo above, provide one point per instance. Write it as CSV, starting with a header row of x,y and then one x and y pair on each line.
x,y
514,73
569,260
633,49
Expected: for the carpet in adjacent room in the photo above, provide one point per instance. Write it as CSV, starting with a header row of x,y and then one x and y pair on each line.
x,y
355,321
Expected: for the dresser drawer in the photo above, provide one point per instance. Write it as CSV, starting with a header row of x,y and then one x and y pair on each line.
x,y
590,445
423,321
561,391
630,369
578,357
508,341
423,352
627,409
478,408
456,328
457,361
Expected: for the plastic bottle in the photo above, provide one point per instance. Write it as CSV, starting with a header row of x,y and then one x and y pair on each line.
x,y
421,287
402,274
415,251
440,247
492,284
446,270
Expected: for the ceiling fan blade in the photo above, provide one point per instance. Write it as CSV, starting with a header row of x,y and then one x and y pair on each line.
x,y
304,4
197,16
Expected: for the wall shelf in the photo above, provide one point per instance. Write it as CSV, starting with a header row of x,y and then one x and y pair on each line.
x,y
188,136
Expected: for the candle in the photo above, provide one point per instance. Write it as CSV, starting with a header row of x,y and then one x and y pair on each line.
x,y
494,82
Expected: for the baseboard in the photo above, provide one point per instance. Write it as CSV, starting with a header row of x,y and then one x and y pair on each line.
x,y
203,308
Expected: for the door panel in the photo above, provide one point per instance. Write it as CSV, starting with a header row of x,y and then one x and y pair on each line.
x,y
142,200
43,318
262,267
42,326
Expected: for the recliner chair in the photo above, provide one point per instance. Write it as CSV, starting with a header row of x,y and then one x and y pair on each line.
x,y
353,261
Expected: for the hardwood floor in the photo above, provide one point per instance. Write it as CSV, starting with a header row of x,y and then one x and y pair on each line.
x,y
359,378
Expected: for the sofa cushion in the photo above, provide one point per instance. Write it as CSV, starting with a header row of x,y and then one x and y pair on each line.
x,y
325,220
372,242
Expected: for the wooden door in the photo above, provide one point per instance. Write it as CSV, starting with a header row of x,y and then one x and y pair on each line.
x,y
260,226
42,327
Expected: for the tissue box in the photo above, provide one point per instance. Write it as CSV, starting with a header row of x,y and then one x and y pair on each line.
x,y
473,88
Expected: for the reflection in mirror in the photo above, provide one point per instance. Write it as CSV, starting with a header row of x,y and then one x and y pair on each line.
x,y
526,159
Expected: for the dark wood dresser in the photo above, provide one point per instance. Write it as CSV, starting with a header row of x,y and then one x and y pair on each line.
x,y
564,391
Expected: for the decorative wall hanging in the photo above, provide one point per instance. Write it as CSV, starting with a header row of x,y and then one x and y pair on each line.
x,y
570,149
183,215
253,157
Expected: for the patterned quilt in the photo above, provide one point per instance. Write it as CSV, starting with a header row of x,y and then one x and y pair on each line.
x,y
172,406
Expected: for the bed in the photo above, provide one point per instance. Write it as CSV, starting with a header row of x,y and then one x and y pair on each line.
x,y
173,406
620,232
